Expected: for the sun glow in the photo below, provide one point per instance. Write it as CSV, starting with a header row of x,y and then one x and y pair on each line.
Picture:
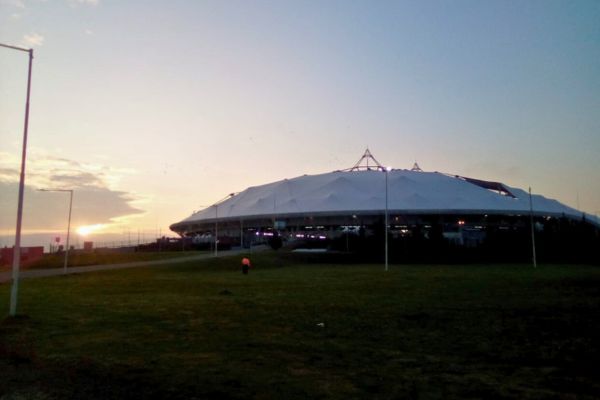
x,y
87,229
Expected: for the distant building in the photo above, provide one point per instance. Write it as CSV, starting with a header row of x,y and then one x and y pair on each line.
x,y
28,255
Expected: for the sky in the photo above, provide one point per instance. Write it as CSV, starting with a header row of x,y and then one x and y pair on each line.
x,y
150,110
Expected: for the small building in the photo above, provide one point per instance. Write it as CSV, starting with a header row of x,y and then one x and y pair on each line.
x,y
28,254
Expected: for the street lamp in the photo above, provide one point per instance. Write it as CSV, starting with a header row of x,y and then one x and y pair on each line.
x,y
387,169
216,206
17,250
532,229
68,224
216,230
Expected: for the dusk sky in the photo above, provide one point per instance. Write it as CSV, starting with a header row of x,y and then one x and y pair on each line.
x,y
150,110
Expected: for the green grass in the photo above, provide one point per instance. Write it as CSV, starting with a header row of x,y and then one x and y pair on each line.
x,y
204,330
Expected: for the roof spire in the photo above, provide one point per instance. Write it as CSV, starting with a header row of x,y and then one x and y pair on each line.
x,y
416,168
366,157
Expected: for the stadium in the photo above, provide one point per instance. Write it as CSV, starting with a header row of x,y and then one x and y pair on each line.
x,y
430,216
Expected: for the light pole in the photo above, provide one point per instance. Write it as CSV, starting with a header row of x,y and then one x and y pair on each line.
x,y
387,169
68,224
216,205
17,250
241,234
216,230
532,229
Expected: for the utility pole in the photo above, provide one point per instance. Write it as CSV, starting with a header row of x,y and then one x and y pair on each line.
x,y
17,249
532,229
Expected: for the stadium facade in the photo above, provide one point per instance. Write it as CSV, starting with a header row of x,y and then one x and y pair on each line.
x,y
418,205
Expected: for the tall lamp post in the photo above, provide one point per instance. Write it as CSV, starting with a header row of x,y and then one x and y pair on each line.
x,y
387,169
17,250
532,229
216,206
70,191
216,230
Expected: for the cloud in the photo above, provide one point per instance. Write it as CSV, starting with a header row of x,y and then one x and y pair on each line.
x,y
83,2
48,211
14,3
32,40
95,200
77,180
44,170
7,174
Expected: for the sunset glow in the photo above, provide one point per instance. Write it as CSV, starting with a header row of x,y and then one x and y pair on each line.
x,y
87,229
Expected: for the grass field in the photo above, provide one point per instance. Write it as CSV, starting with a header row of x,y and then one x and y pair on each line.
x,y
292,329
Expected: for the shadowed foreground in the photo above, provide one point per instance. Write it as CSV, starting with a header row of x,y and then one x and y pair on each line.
x,y
298,330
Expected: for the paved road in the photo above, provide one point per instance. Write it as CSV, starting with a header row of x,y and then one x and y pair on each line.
x,y
39,273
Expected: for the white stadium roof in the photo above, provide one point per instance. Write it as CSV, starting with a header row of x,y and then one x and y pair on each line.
x,y
363,191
